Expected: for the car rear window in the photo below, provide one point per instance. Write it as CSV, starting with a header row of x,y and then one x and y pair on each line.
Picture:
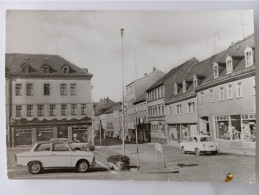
x,y
42,147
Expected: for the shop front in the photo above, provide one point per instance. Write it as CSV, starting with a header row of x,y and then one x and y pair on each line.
x,y
236,129
158,132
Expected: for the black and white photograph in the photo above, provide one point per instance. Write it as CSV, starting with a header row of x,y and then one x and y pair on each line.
x,y
131,95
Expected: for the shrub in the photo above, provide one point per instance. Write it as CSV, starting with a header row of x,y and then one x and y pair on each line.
x,y
119,161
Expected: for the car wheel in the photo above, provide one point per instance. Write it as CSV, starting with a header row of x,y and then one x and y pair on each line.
x,y
182,149
197,152
214,152
34,167
82,166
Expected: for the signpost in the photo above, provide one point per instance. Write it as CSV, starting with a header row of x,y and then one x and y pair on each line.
x,y
159,148
136,127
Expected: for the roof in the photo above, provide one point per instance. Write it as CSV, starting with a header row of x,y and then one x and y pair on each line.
x,y
171,73
14,61
141,98
205,69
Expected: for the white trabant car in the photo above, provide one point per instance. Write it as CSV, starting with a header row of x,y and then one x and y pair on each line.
x,y
55,155
200,144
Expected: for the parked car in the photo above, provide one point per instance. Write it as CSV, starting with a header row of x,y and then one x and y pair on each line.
x,y
55,155
200,144
75,145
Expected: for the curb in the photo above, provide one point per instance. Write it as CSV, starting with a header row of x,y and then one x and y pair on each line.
x,y
238,153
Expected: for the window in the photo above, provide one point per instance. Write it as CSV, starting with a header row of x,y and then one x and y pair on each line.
x,y
163,110
40,110
239,90
18,111
29,110
83,109
162,91
63,109
184,86
18,89
25,69
230,92
215,70
46,89
73,109
45,69
249,56
158,93
29,89
195,82
202,97
169,110
191,108
221,93
72,89
211,95
178,109
66,70
63,89
175,89
60,147
52,110
229,65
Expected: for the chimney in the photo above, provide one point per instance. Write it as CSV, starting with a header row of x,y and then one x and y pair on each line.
x,y
145,74
154,68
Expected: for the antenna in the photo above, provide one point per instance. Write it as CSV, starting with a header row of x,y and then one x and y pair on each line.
x,y
242,24
136,66
215,34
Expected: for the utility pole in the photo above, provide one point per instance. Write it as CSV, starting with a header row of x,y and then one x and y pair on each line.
x,y
123,128
92,116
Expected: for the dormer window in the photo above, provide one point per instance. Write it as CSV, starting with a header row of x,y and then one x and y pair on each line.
x,y
25,68
249,57
229,64
45,68
175,88
184,86
195,82
215,70
65,69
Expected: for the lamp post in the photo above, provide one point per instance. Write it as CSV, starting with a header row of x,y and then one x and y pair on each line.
x,y
123,128
92,115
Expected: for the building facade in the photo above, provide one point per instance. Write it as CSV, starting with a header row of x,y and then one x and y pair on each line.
x,y
47,97
133,91
227,96
141,120
158,94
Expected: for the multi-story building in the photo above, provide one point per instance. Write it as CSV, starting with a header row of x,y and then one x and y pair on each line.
x,y
133,91
156,95
226,95
47,97
141,119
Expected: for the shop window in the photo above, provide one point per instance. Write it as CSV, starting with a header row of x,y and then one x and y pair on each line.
x,y
222,127
18,111
18,89
44,134
249,127
23,137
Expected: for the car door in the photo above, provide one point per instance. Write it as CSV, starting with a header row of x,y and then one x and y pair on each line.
x,y
61,155
42,154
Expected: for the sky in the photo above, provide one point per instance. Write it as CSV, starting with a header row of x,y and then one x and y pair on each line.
x,y
92,39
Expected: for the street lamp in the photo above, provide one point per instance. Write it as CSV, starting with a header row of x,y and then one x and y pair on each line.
x,y
123,128
92,115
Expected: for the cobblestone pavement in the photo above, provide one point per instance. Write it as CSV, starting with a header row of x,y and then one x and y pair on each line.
x,y
179,167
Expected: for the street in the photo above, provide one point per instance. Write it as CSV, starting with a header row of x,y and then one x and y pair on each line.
x,y
179,167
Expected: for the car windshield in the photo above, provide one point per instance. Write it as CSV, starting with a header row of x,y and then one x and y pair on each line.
x,y
205,139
